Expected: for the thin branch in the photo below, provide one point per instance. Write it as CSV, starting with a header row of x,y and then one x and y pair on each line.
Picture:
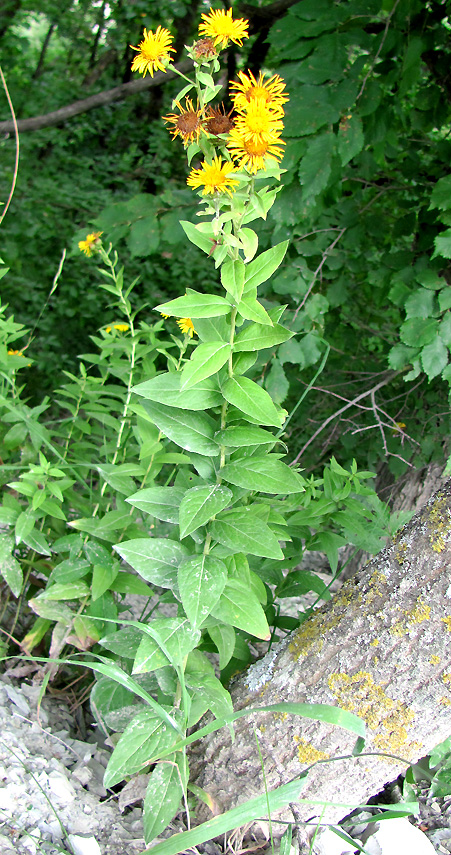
x,y
16,161
317,272
371,68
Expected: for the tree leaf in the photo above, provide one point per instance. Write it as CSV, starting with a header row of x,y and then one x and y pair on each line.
x,y
251,399
160,502
201,581
155,559
206,360
417,332
141,740
240,607
165,389
242,532
316,165
276,382
195,305
257,337
200,504
192,431
434,357
350,139
267,474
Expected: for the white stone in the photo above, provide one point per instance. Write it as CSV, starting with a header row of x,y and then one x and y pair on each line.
x,y
18,699
61,787
395,836
329,843
84,845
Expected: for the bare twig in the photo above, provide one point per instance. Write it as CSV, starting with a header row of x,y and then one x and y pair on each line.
x,y
16,134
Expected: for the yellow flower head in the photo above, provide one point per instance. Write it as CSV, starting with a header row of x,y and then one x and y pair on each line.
x,y
118,327
252,154
271,91
215,177
259,124
220,26
164,316
15,353
188,124
91,243
153,51
186,326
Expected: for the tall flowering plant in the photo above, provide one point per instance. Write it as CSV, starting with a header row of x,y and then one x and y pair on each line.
x,y
218,520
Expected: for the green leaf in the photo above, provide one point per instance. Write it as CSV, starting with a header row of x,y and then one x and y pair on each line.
x,y
160,502
350,139
236,437
251,399
241,531
240,607
192,431
24,523
267,474
417,332
195,305
441,194
120,476
126,583
196,237
223,636
200,504
205,360
36,540
165,389
257,337
434,357
141,740
443,244
444,299
316,165
10,568
57,612
166,639
251,310
260,269
163,795
155,559
208,688
445,329
232,278
201,581
276,382
66,591
102,577
249,242
144,236
106,527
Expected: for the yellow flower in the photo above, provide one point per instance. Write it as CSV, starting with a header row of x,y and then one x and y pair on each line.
x,y
186,326
153,51
119,327
251,154
188,125
259,124
271,91
91,242
220,26
15,353
164,316
215,177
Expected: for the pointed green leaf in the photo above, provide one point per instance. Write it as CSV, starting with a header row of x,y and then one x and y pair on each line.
x,y
242,532
166,639
223,636
232,278
267,474
155,559
66,591
201,581
195,305
240,607
163,794
434,357
250,309
10,568
251,399
257,337
236,437
196,237
141,740
165,389
160,502
192,431
216,697
206,360
200,504
102,577
261,268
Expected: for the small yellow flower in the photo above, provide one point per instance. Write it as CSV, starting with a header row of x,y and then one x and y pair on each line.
x,y
164,316
118,327
215,177
221,27
259,124
188,124
271,91
15,353
397,428
153,51
90,244
254,154
186,326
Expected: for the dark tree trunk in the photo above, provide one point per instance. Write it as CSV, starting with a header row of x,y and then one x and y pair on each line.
x,y
38,70
380,648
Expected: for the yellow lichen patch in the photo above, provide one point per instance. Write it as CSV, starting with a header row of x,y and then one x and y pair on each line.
x,y
307,753
309,636
446,678
280,716
447,622
434,660
439,520
445,702
400,553
418,614
360,694
374,642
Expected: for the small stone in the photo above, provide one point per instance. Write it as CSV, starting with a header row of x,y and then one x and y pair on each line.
x,y
18,699
61,787
435,807
84,844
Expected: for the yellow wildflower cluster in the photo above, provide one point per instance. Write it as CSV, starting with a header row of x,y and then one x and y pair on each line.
x,y
118,327
91,243
249,136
